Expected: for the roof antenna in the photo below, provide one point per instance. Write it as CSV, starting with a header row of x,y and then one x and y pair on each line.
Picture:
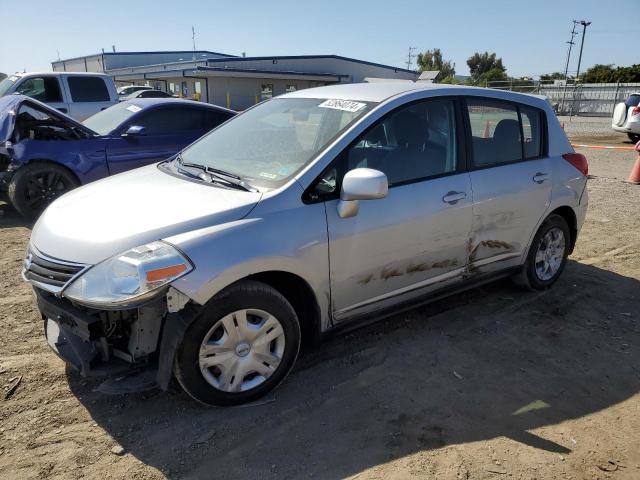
x,y
114,48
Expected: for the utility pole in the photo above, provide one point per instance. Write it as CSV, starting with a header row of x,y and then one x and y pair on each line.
x,y
410,57
584,24
193,39
566,68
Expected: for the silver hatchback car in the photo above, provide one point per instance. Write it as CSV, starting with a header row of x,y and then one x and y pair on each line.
x,y
303,215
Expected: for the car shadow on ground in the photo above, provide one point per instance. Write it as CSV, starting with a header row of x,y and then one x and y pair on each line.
x,y
491,362
10,218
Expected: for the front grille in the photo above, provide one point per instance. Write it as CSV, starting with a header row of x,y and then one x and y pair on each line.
x,y
49,272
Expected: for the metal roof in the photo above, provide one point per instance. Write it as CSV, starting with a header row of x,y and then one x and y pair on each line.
x,y
309,57
161,52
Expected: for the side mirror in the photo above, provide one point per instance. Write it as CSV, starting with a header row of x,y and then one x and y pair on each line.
x,y
134,131
361,184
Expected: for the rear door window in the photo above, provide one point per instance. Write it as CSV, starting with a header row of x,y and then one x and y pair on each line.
x,y
503,132
495,132
88,89
44,89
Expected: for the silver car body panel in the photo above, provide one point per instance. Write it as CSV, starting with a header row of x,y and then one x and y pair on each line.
x,y
394,249
101,219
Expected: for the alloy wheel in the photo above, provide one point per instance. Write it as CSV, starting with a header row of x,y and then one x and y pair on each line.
x,y
43,188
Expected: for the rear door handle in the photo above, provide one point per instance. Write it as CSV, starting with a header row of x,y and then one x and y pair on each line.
x,y
454,197
540,177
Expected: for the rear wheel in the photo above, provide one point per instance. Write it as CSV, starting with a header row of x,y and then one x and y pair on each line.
x,y
240,347
634,137
34,186
547,256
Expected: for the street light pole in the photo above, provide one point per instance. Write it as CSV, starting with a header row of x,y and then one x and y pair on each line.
x,y
566,68
584,24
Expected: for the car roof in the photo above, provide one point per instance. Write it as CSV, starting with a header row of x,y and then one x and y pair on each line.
x,y
145,103
381,91
24,74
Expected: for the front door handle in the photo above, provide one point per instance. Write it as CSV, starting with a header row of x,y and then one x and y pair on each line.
x,y
63,110
454,197
540,177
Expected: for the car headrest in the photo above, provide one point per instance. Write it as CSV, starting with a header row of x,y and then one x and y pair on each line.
x,y
507,131
409,130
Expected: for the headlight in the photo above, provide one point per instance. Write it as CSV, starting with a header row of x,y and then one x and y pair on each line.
x,y
130,276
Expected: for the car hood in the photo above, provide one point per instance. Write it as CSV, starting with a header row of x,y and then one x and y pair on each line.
x,y
10,104
110,216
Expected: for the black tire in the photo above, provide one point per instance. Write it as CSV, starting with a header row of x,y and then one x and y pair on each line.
x,y
528,278
634,137
245,294
34,186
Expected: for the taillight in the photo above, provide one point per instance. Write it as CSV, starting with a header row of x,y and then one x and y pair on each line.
x,y
577,160
636,110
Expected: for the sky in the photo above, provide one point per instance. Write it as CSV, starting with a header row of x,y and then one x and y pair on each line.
x,y
529,36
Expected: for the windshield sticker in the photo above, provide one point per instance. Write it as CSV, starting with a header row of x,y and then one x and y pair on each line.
x,y
134,108
271,176
345,105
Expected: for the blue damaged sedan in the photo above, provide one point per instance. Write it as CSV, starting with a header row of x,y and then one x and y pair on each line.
x,y
44,153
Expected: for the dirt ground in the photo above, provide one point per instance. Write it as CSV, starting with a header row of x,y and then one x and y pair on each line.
x,y
490,384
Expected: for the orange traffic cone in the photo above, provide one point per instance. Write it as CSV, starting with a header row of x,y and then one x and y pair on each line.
x,y
634,176
487,129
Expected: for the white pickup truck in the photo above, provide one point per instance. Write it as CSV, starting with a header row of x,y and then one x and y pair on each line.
x,y
79,95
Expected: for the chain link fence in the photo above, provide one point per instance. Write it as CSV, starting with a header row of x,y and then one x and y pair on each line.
x,y
574,98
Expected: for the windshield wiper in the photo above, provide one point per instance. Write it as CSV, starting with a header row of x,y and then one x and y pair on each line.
x,y
219,176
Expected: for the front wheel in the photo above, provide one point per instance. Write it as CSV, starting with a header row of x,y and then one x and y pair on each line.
x,y
240,347
547,256
34,186
634,137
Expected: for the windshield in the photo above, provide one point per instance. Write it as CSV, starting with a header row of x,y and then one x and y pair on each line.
x,y
6,84
108,120
270,143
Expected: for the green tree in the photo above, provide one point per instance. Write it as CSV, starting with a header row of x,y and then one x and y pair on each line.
x,y
599,74
552,76
607,74
493,75
486,67
432,60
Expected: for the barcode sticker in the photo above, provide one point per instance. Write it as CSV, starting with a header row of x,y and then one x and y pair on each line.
x,y
345,105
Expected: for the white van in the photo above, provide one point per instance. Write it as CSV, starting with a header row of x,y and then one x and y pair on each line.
x,y
79,95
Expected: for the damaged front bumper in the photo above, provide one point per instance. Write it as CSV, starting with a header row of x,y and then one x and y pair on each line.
x,y
135,347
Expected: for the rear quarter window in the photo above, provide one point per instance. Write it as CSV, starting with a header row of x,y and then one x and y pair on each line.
x,y
88,89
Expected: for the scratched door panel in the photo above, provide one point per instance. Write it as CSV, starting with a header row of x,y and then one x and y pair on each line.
x,y
508,205
397,242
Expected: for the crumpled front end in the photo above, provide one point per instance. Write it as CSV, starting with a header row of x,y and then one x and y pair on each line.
x,y
132,346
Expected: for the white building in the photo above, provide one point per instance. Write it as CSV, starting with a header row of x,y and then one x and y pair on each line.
x,y
227,80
